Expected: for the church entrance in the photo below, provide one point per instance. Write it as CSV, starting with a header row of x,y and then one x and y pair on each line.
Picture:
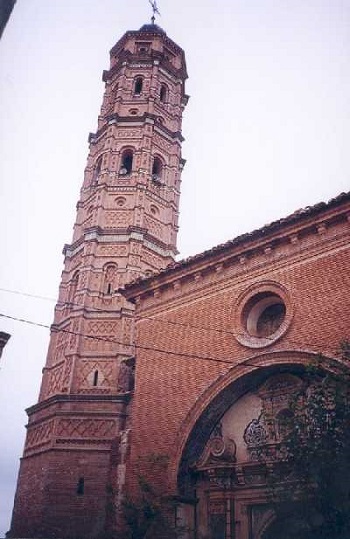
x,y
228,457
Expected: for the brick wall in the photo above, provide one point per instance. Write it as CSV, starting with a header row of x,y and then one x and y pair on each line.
x,y
184,326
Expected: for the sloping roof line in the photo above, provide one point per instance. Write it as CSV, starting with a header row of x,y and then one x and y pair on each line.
x,y
298,215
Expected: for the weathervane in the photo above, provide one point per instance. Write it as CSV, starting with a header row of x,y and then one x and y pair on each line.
x,y
155,10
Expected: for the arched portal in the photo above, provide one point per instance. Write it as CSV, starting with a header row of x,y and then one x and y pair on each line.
x,y
222,474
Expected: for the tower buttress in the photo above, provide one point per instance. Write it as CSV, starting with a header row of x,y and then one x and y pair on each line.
x,y
126,227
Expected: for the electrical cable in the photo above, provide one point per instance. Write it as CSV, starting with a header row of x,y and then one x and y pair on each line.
x,y
164,321
106,339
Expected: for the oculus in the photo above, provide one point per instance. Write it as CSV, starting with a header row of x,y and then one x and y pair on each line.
x,y
263,314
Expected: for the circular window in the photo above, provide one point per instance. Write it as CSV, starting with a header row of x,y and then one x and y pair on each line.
x,y
263,315
120,201
154,210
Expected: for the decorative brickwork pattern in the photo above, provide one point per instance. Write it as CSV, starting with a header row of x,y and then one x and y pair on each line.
x,y
112,250
115,219
105,375
67,374
40,435
153,226
85,428
55,380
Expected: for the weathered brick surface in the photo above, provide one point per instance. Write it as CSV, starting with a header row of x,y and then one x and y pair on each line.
x,y
180,334
48,496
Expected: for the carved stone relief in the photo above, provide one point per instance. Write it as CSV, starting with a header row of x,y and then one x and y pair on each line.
x,y
262,434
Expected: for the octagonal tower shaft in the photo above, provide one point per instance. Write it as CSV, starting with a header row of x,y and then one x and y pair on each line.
x,y
126,227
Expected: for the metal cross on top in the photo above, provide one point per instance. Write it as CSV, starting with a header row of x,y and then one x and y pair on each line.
x,y
155,10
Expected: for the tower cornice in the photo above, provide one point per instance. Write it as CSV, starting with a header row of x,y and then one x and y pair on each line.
x,y
152,30
121,235
141,62
115,119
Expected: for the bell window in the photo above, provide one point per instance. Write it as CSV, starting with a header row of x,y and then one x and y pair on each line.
x,y
138,85
97,169
126,163
157,170
110,279
163,93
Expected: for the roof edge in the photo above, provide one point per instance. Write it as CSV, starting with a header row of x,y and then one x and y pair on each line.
x,y
299,216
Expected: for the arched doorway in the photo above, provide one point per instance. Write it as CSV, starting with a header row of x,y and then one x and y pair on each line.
x,y
224,465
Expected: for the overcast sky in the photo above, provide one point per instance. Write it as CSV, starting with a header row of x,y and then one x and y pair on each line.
x,y
267,132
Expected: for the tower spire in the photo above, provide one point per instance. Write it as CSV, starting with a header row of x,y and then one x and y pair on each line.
x,y
154,10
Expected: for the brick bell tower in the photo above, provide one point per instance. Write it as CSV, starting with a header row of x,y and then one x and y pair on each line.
x,y
126,227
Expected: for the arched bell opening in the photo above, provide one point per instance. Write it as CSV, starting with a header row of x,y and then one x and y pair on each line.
x,y
126,165
138,85
157,170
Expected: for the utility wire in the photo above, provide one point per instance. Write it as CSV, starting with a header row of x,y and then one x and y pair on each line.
x,y
114,341
153,319
100,309
26,294
106,339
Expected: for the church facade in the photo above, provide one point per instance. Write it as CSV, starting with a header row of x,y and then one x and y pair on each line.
x,y
173,362
223,341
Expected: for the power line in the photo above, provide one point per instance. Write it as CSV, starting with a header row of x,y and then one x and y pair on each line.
x,y
106,339
154,319
26,294
114,341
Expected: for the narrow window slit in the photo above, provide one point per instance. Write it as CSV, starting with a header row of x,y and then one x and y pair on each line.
x,y
80,486
163,93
